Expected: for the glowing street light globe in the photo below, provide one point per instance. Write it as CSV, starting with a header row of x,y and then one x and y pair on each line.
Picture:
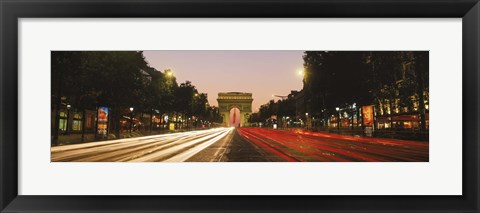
x,y
301,72
169,73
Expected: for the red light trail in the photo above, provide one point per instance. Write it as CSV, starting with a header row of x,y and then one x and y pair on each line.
x,y
300,145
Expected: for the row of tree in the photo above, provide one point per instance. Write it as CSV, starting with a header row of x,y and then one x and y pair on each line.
x,y
394,81
281,108
120,80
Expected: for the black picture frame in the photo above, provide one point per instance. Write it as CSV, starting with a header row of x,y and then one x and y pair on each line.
x,y
12,10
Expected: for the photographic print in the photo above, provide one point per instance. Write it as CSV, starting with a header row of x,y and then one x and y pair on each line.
x,y
239,106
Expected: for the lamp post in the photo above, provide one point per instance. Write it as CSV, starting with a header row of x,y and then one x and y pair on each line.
x,y
354,111
338,120
193,110
131,119
323,117
68,118
307,121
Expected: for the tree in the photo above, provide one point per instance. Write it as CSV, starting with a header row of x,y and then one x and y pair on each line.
x,y
400,79
100,78
333,79
421,77
120,82
213,115
184,98
64,65
200,105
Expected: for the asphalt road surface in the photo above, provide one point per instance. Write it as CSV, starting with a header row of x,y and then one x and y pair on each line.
x,y
244,145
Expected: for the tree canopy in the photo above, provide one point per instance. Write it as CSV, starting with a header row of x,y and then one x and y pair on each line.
x,y
120,80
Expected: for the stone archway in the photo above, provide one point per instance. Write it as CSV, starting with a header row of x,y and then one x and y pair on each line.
x,y
234,117
235,100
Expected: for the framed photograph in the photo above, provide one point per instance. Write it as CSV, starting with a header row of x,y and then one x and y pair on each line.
x,y
254,106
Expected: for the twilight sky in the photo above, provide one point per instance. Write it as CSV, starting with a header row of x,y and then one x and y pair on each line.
x,y
263,73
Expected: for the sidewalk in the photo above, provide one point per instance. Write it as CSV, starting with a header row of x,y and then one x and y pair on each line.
x,y
74,138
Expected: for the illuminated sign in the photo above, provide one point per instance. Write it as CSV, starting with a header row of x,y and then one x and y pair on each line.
x,y
102,125
367,115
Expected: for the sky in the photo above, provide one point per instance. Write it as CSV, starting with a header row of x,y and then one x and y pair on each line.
x,y
262,73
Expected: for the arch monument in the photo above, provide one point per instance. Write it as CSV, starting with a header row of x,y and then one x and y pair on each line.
x,y
233,106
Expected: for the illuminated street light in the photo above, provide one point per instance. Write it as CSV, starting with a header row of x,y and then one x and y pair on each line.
x,y
338,120
131,119
68,118
301,72
307,120
169,72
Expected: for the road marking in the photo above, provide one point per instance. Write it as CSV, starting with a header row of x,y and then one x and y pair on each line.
x,y
225,147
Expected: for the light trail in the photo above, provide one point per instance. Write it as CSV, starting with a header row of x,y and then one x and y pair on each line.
x,y
191,152
259,144
141,149
317,147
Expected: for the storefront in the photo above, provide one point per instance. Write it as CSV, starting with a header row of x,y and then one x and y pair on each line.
x,y
400,122
77,122
73,121
62,122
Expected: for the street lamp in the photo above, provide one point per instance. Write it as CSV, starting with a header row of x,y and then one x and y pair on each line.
x,y
301,72
307,120
68,118
131,119
169,73
338,120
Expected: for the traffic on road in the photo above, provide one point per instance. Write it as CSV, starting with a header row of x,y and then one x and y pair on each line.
x,y
228,144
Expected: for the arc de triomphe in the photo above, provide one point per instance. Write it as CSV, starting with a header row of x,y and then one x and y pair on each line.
x,y
230,100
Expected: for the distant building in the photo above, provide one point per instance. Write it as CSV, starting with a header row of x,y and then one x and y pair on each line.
x,y
390,114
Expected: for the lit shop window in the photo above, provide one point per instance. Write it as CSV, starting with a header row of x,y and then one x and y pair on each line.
x,y
62,122
77,122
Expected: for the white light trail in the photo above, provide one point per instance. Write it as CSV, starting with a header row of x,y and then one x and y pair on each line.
x,y
191,152
175,147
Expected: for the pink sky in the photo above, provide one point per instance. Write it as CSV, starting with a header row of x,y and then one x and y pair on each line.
x,y
263,73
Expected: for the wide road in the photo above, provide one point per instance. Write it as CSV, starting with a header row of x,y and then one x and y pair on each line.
x,y
300,146
244,145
